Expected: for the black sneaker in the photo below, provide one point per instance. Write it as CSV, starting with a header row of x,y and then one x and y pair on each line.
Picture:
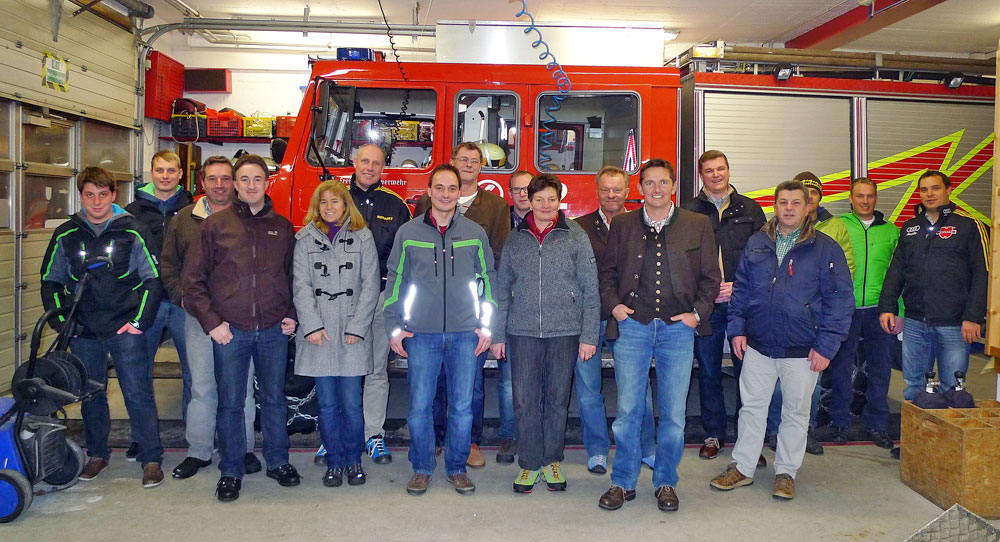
x,y
251,465
881,439
333,477
894,453
132,452
813,446
355,475
772,442
228,488
508,449
286,475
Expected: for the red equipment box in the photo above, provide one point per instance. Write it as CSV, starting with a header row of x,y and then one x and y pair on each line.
x,y
225,124
164,84
284,128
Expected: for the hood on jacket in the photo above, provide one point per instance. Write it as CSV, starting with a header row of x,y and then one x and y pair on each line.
x,y
147,193
116,212
242,209
808,230
879,217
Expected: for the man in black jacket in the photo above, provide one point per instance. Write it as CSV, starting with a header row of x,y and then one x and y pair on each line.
x,y
156,202
940,266
734,218
116,308
385,212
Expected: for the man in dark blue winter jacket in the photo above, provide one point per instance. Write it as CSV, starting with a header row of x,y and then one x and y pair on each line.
x,y
790,310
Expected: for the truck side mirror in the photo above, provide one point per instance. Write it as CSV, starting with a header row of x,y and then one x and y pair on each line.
x,y
278,147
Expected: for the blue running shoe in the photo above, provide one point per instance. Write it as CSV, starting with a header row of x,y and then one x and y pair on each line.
x,y
320,458
598,464
375,447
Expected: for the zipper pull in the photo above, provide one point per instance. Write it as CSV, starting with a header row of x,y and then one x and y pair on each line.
x,y
790,271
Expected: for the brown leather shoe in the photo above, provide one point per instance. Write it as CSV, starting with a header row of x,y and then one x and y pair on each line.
x,y
418,484
731,478
94,466
476,459
711,448
666,499
761,461
152,475
784,487
463,485
615,497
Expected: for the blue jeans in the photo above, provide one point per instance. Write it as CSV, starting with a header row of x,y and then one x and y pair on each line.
x,y
922,345
708,351
875,351
428,353
505,406
269,350
172,317
673,347
341,419
840,373
135,377
593,416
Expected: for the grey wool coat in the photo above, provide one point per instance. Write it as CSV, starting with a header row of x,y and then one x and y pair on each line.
x,y
349,267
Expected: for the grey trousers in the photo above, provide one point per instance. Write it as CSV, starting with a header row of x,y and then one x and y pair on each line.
x,y
201,410
757,382
376,393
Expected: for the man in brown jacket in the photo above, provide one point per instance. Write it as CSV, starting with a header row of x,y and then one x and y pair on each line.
x,y
237,283
492,213
659,279
198,367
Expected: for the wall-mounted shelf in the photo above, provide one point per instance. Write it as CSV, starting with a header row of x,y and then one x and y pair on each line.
x,y
216,140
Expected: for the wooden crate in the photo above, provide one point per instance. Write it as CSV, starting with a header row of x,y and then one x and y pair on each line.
x,y
953,456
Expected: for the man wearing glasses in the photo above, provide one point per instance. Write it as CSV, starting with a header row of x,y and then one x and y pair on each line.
x,y
490,211
518,187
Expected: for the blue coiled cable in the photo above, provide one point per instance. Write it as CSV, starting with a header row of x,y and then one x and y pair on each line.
x,y
563,85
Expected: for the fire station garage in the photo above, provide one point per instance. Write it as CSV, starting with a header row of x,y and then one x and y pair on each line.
x,y
191,347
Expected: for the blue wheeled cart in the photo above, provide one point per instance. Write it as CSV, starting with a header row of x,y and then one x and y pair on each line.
x,y
36,457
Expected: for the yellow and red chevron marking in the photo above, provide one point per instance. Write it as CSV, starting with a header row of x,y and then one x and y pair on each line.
x,y
905,168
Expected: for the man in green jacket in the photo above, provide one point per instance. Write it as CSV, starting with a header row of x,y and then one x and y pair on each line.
x,y
874,241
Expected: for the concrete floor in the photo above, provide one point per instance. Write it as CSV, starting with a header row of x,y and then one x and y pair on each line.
x,y
852,492
869,504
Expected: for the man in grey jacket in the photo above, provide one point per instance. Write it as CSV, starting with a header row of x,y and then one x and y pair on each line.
x,y
438,313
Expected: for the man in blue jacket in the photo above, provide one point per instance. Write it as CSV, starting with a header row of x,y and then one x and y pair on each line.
x,y
438,314
790,310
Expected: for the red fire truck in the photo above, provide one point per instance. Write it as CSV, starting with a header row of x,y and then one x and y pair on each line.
x,y
515,113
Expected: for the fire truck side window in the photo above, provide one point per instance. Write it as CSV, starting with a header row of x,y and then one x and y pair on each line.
x,y
401,121
490,120
587,131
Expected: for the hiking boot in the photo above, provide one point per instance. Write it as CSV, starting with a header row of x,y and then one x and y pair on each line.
x,y
730,479
375,447
553,478
476,459
784,487
508,449
152,475
615,497
418,484
598,464
463,485
94,466
526,481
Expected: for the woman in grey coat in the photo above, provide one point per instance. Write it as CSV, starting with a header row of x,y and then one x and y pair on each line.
x,y
335,284
549,314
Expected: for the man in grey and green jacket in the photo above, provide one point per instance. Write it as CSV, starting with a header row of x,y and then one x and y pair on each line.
x,y
438,313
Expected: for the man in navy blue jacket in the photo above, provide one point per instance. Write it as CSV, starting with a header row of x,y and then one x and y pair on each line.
x,y
791,308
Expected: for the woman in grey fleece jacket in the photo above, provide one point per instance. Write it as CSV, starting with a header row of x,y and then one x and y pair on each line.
x,y
549,313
